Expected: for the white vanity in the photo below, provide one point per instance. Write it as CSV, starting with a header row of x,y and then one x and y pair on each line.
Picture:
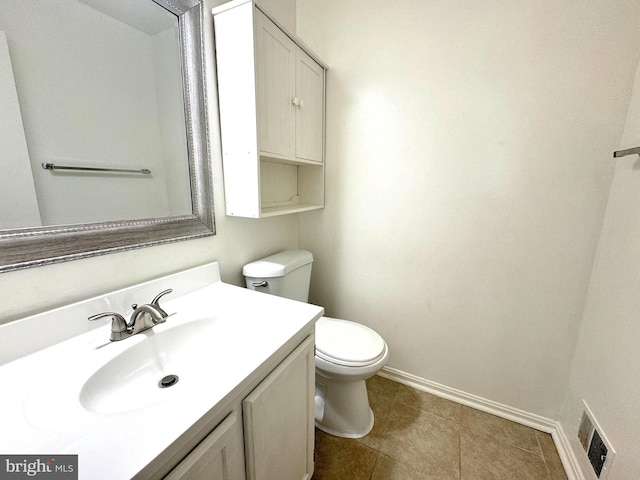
x,y
242,406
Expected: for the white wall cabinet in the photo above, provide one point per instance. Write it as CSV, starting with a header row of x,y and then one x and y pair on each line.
x,y
309,111
272,102
278,416
290,96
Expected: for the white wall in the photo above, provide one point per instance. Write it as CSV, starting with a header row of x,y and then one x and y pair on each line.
x,y
468,165
237,242
170,101
18,201
605,369
284,11
86,102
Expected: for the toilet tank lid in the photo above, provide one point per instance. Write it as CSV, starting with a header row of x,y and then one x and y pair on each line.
x,y
278,264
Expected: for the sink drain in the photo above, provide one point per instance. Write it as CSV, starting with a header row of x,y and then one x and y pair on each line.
x,y
168,381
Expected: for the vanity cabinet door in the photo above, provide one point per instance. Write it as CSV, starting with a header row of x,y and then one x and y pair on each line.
x,y
218,457
279,420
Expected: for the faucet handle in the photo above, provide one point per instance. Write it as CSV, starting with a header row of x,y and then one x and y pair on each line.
x,y
118,323
156,300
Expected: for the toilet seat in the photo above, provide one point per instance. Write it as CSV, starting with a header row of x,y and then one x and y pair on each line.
x,y
348,343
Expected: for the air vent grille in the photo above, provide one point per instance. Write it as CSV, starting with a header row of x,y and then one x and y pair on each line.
x,y
597,453
595,445
585,431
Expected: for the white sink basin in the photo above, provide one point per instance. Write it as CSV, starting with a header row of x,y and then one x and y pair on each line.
x,y
95,398
132,379
102,378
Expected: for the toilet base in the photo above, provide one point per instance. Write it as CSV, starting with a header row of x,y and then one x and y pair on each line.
x,y
342,434
346,411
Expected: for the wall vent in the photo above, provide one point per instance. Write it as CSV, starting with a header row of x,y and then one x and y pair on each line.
x,y
595,444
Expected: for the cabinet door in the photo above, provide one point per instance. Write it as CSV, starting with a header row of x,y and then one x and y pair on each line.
x,y
279,420
310,108
276,63
218,457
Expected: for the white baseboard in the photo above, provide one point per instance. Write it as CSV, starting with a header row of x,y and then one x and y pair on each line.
x,y
567,455
569,461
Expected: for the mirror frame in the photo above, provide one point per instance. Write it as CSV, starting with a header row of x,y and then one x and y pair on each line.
x,y
33,247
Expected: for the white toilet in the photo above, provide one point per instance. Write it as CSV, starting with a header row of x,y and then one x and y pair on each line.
x,y
347,353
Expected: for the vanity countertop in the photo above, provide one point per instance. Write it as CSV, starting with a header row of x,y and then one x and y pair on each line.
x,y
241,333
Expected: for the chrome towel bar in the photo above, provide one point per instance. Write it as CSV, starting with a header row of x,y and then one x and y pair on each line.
x,y
51,166
628,151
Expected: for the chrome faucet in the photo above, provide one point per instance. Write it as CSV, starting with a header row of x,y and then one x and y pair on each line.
x,y
143,318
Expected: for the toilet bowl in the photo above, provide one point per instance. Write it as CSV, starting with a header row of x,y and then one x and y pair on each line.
x,y
347,353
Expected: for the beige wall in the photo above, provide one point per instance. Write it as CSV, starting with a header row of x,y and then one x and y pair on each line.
x,y
468,164
237,242
605,369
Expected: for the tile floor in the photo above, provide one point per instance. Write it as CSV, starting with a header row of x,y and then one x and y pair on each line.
x,y
421,436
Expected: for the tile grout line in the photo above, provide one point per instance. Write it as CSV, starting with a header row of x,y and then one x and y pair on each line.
x,y
460,451
375,465
505,443
544,458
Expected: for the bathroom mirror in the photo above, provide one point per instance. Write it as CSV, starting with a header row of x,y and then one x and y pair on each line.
x,y
131,124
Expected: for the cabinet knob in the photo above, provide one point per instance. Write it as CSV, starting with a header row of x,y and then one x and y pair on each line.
x,y
296,101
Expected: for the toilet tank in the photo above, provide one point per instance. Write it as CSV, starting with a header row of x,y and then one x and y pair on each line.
x,y
285,274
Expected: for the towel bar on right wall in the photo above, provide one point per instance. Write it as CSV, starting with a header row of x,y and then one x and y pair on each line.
x,y
628,151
